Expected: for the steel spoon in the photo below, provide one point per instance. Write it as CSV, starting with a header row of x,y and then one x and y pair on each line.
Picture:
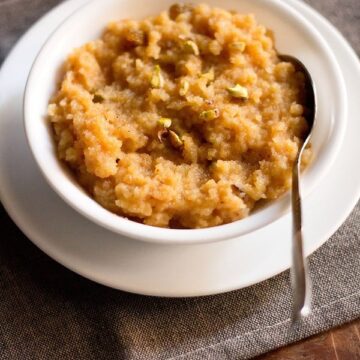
x,y
300,280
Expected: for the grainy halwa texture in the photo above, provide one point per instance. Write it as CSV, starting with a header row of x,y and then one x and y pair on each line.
x,y
236,117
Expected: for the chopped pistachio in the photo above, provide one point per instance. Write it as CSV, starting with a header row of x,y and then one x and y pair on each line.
x,y
237,46
210,114
157,80
191,47
164,122
162,134
98,98
175,140
209,76
184,88
238,91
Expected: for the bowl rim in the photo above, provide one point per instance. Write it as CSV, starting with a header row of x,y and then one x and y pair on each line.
x,y
152,234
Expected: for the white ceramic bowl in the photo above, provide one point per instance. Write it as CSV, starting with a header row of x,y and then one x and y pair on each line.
x,y
294,35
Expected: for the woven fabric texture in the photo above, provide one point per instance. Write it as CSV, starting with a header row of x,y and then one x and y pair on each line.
x,y
48,312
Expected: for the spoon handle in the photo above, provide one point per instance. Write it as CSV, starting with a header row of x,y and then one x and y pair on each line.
x,y
300,280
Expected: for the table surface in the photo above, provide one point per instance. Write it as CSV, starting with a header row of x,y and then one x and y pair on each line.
x,y
342,343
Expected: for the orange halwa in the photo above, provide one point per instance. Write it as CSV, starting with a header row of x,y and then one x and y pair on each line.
x,y
185,119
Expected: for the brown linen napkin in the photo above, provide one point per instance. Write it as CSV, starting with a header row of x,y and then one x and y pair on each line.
x,y
48,312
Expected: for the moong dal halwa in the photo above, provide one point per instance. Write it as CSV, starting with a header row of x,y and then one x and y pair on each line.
x,y
186,119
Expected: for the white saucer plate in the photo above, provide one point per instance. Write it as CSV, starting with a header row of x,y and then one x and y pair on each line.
x,y
164,270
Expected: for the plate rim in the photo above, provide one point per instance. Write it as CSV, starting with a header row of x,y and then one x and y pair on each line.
x,y
27,231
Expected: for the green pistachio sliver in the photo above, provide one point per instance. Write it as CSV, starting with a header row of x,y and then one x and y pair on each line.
x,y
184,88
238,91
157,80
238,46
210,114
175,140
165,122
191,47
162,134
